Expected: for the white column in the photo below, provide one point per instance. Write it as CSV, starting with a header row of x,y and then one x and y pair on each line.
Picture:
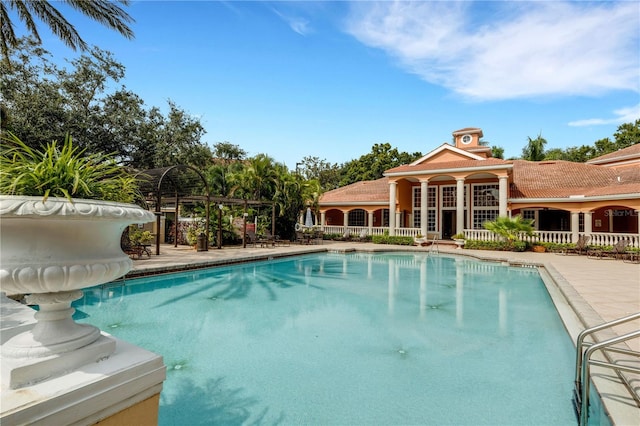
x,y
502,196
323,218
575,226
392,208
459,205
370,221
588,223
345,219
424,187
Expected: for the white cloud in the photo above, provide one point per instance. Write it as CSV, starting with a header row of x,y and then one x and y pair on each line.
x,y
622,115
506,50
297,24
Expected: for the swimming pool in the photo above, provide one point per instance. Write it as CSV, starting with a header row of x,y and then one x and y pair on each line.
x,y
348,339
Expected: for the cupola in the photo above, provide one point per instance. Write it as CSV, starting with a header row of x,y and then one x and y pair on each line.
x,y
469,140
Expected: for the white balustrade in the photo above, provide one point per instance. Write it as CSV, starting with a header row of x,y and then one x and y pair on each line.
x,y
557,237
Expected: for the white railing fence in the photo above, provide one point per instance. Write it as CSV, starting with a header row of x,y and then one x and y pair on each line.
x,y
607,239
558,237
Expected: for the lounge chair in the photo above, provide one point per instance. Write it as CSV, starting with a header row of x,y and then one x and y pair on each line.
x,y
581,246
301,238
250,238
318,236
617,252
266,240
363,236
346,235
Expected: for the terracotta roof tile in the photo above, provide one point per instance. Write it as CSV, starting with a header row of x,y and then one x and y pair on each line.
x,y
632,150
545,179
374,191
460,164
560,179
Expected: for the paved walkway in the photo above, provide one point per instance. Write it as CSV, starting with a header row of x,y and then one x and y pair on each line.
x,y
588,291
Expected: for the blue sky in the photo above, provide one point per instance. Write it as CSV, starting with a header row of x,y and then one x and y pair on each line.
x,y
330,79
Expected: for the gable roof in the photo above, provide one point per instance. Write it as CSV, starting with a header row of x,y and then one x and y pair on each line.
x,y
629,153
450,166
445,147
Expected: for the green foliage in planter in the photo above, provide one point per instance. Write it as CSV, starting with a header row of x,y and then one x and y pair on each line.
x,y
458,236
138,236
396,240
62,171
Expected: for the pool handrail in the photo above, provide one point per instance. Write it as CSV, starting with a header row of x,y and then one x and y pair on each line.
x,y
584,361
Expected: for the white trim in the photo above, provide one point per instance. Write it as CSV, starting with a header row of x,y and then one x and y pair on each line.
x,y
635,157
574,199
447,147
455,170
383,204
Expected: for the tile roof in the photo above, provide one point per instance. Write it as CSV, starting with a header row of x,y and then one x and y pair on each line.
x,y
630,151
373,191
561,179
459,164
544,179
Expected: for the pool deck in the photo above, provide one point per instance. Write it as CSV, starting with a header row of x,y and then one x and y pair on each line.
x,y
595,290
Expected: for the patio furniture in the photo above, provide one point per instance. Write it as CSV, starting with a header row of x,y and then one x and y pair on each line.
x,y
631,256
617,252
346,235
301,238
581,246
362,237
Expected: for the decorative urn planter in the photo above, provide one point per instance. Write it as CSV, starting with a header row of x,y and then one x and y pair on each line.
x,y
459,243
51,250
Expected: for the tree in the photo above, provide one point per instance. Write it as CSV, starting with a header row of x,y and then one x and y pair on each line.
x,y
510,229
372,166
627,134
106,12
327,174
42,103
534,151
497,152
228,152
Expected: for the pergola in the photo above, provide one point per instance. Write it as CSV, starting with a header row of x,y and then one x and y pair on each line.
x,y
180,184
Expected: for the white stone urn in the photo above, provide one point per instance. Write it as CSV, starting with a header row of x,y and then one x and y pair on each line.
x,y
49,251
459,242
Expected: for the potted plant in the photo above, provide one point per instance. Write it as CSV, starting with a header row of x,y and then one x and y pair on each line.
x,y
459,239
62,215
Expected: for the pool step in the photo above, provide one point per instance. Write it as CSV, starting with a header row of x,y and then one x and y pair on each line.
x,y
577,402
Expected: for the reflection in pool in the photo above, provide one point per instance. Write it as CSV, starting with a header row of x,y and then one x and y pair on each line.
x,y
348,339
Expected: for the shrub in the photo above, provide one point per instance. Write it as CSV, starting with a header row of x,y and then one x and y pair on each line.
x,y
395,240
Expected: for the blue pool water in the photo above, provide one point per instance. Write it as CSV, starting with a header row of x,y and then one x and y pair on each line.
x,y
348,339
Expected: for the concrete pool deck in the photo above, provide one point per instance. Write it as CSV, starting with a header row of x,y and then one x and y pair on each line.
x,y
595,290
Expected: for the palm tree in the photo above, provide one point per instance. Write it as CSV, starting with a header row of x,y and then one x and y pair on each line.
x,y
534,151
105,12
510,229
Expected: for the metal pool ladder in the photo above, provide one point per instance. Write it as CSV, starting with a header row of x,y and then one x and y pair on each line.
x,y
434,246
584,351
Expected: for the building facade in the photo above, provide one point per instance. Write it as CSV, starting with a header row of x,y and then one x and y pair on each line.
x,y
457,187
